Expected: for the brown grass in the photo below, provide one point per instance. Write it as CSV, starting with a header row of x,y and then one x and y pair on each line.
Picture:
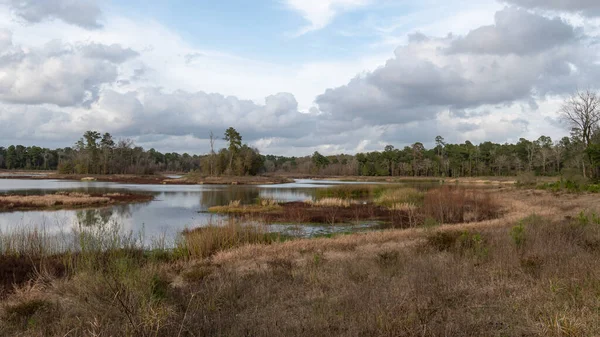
x,y
235,207
395,207
62,200
457,204
206,241
330,202
465,279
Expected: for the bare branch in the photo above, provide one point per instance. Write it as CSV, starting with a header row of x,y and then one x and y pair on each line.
x,y
582,112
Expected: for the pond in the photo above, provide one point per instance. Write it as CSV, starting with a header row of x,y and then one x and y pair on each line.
x,y
174,208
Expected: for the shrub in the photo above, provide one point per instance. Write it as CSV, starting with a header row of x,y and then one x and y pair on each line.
x,y
66,168
472,243
593,188
517,233
443,240
388,258
430,222
525,179
455,205
575,177
22,312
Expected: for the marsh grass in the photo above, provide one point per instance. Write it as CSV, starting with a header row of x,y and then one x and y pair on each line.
x,y
401,195
67,199
347,192
468,279
61,200
331,202
206,241
236,207
463,282
450,204
357,191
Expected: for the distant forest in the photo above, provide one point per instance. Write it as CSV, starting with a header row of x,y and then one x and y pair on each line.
x,y
97,153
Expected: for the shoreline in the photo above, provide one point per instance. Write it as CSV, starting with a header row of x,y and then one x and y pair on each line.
x,y
152,179
68,201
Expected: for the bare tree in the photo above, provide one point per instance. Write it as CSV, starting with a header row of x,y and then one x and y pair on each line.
x,y
212,139
582,112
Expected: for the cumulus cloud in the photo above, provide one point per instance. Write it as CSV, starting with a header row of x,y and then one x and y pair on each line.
x,y
58,73
35,123
83,13
430,75
151,111
483,85
114,53
583,7
516,31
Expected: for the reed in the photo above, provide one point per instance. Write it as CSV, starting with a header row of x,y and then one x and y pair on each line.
x,y
206,241
330,202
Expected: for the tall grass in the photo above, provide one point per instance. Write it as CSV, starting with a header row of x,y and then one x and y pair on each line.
x,y
463,282
401,195
457,204
330,202
48,200
350,191
236,207
205,241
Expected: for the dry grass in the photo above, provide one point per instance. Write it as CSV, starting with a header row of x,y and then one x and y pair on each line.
x,y
206,241
236,207
395,207
330,202
402,195
457,204
48,200
479,278
66,200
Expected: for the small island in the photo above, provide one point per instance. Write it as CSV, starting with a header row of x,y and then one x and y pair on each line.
x,y
67,200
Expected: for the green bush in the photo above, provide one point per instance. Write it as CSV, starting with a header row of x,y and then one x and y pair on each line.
x,y
472,243
517,233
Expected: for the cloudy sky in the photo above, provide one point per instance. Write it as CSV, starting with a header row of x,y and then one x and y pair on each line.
x,y
293,76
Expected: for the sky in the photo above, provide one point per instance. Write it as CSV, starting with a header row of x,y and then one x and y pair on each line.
x,y
293,76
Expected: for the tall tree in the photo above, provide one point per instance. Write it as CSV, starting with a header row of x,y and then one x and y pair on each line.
x,y
107,145
11,158
235,143
582,111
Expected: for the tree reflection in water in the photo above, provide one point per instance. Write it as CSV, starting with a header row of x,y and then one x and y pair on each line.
x,y
101,216
219,197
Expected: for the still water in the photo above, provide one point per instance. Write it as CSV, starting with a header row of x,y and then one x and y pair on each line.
x,y
174,208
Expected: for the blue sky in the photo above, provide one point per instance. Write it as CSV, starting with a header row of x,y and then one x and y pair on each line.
x,y
294,76
267,30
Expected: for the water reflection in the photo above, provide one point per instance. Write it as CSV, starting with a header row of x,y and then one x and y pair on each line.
x,y
174,208
94,217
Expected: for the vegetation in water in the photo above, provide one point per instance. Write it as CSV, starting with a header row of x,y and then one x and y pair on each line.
x,y
233,279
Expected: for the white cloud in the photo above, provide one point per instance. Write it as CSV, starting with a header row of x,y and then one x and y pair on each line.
x,y
57,73
321,13
583,7
83,13
139,79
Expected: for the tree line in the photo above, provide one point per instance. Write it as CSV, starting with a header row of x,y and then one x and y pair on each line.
x,y
580,153
97,153
542,156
